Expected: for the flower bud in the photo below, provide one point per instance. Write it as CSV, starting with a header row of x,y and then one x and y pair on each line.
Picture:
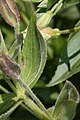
x,y
49,32
13,8
44,20
9,11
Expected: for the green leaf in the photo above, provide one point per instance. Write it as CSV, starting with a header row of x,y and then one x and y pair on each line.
x,y
43,4
51,3
35,1
5,97
6,101
71,2
9,112
8,105
72,59
2,44
34,54
66,103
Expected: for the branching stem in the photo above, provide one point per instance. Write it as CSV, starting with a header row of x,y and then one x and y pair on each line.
x,y
33,96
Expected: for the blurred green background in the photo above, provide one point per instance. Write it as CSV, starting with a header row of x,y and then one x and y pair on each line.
x,y
66,18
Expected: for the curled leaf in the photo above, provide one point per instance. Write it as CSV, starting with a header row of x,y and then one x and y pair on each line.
x,y
9,67
66,103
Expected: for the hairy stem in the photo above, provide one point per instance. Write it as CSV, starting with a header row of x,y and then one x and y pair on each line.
x,y
33,96
35,109
76,29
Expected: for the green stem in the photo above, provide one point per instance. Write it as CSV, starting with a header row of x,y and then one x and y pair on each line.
x,y
11,85
57,33
14,50
16,42
56,5
20,90
35,109
17,29
13,47
25,18
3,89
20,56
33,96
76,29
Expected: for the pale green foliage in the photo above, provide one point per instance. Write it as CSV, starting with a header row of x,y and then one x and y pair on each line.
x,y
73,57
29,53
